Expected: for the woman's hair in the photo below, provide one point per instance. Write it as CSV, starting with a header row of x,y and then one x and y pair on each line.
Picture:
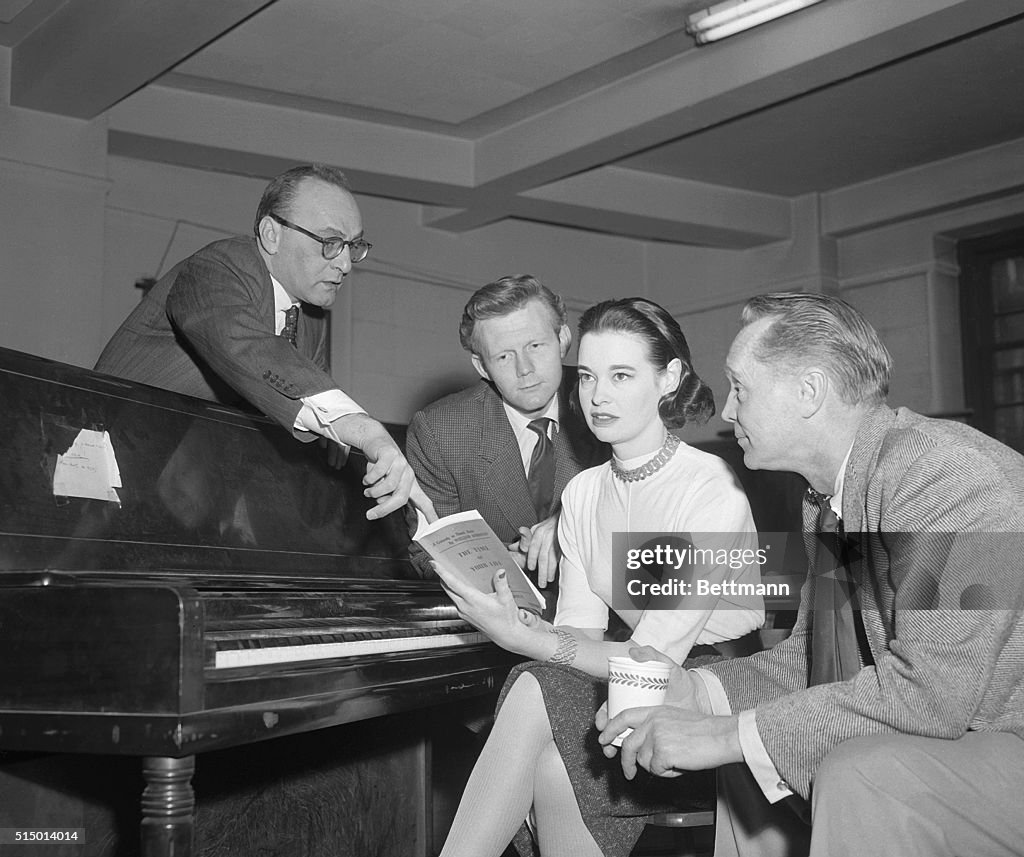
x,y
692,400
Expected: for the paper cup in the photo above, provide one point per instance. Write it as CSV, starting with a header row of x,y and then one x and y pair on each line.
x,y
635,684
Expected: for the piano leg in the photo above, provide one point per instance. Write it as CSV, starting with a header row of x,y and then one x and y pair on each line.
x,y
168,806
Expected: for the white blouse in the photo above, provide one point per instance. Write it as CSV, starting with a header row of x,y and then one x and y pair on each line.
x,y
694,495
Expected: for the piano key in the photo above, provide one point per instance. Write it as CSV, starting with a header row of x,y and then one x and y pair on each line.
x,y
227,658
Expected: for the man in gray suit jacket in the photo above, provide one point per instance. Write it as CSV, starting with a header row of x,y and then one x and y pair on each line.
x,y
242,321
896,707
472,449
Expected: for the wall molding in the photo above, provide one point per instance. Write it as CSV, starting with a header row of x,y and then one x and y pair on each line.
x,y
53,176
903,272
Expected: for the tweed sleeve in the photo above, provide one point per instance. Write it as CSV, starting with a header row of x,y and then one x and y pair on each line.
x,y
428,462
941,520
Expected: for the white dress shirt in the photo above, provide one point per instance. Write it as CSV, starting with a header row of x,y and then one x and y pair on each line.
x,y
526,437
318,412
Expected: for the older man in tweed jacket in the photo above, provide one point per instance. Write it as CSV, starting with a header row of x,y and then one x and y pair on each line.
x,y
914,745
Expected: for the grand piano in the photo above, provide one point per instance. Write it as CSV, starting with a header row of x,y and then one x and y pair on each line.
x,y
179,578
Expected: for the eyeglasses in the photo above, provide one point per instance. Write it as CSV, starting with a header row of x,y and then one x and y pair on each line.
x,y
331,247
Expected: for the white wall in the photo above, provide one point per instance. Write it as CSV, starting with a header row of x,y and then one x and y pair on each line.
x,y
52,191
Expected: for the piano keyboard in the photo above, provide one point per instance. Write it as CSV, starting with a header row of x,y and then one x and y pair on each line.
x,y
261,650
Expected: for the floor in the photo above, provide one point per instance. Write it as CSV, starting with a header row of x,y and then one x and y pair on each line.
x,y
675,842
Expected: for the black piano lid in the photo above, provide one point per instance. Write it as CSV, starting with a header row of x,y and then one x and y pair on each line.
x,y
210,494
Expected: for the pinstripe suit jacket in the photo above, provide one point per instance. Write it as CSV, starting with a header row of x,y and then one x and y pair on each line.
x,y
940,511
466,456
206,329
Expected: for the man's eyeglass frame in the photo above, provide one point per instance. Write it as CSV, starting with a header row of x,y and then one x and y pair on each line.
x,y
331,248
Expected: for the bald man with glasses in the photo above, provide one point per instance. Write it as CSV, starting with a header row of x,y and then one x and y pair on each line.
x,y
241,321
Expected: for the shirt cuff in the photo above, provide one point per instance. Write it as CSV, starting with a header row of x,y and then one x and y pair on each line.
x,y
716,692
754,753
758,761
319,411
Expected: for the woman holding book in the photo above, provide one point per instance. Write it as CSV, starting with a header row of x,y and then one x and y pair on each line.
x,y
636,382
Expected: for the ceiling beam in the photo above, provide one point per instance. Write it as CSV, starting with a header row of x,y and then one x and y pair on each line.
x,y
640,205
117,46
703,87
265,166
968,179
168,122
699,89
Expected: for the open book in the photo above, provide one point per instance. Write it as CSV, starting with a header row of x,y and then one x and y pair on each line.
x,y
464,545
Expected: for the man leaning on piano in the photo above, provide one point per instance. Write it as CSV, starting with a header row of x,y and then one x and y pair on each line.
x,y
241,320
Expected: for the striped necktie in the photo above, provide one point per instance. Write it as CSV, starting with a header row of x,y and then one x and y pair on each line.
x,y
291,324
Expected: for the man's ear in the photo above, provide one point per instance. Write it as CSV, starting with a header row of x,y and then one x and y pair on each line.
x,y
564,339
813,390
478,364
269,233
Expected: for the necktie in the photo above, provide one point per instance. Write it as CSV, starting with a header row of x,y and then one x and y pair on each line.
x,y
541,477
291,324
834,648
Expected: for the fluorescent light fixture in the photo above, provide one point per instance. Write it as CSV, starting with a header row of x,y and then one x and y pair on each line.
x,y
724,19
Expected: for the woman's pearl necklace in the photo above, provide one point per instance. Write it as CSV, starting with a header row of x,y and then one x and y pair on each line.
x,y
668,449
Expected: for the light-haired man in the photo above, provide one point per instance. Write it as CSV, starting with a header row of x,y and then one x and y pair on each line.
x,y
241,321
893,717
476,449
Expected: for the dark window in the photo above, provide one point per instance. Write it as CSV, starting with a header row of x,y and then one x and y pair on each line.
x,y
992,319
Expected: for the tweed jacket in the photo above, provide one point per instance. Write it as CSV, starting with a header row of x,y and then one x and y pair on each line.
x,y
206,329
939,509
466,456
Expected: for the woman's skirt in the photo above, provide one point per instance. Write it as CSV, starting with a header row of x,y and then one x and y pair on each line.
x,y
613,808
